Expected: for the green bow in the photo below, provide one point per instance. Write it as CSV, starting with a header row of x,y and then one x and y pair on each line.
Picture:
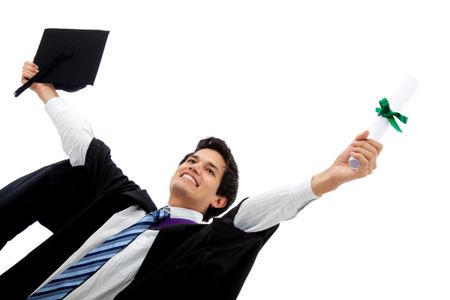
x,y
385,111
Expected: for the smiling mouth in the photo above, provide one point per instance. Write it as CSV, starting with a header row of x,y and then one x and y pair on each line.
x,y
190,178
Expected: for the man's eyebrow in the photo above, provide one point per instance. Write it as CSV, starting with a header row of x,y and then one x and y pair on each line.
x,y
196,157
213,166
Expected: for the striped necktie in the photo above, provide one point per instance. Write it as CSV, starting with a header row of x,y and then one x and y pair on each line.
x,y
64,283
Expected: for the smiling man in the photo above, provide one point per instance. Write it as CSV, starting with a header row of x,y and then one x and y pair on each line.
x,y
89,204
196,182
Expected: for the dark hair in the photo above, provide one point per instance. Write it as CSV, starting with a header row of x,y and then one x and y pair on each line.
x,y
230,181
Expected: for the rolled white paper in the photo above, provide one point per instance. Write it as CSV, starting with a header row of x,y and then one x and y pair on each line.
x,y
396,102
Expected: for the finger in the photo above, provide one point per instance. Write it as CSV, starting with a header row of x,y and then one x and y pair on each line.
x,y
30,67
30,64
366,145
363,169
29,72
27,75
371,147
376,144
362,136
369,155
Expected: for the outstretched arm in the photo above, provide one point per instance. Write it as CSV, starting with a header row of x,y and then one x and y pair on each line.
x,y
272,207
75,132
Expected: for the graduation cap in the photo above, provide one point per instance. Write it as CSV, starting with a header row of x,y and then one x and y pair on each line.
x,y
68,58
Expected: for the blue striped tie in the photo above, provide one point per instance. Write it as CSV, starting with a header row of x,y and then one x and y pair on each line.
x,y
71,278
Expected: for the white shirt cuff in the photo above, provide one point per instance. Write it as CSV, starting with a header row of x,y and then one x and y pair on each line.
x,y
302,191
54,106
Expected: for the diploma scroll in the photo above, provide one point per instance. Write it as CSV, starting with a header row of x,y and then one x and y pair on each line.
x,y
397,102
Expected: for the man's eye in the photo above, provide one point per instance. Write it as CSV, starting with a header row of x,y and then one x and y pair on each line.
x,y
190,161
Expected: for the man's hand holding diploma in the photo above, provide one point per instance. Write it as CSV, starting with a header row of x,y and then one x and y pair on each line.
x,y
388,112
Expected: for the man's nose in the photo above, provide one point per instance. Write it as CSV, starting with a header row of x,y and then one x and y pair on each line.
x,y
194,168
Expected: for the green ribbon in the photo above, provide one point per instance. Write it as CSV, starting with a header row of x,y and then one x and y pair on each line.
x,y
385,111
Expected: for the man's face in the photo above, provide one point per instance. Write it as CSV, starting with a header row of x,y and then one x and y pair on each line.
x,y
195,183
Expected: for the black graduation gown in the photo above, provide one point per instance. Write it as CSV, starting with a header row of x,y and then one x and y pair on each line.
x,y
190,261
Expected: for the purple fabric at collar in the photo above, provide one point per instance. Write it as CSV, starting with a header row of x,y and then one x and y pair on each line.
x,y
172,221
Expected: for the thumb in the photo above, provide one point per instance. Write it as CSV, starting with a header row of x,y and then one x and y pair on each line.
x,y
362,136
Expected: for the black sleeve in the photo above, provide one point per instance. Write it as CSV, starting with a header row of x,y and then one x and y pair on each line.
x,y
55,194
34,197
103,176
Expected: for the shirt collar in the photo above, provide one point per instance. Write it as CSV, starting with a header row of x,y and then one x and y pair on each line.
x,y
186,213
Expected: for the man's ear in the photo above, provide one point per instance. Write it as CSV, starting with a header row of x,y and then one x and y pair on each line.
x,y
219,202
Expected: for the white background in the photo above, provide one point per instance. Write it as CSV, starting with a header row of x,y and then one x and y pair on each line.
x,y
288,84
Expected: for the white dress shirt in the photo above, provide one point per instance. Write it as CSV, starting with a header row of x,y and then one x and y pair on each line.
x,y
76,134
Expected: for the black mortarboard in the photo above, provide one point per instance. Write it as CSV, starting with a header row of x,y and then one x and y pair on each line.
x,y
68,58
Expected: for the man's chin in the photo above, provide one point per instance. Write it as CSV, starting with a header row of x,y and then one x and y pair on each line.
x,y
183,191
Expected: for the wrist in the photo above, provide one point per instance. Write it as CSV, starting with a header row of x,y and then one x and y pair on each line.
x,y
324,182
46,92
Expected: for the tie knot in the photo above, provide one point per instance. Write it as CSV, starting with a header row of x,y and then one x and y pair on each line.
x,y
158,215
161,214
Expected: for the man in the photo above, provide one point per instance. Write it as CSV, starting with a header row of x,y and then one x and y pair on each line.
x,y
90,200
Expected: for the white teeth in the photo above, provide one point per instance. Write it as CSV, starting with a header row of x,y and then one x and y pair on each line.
x,y
187,176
